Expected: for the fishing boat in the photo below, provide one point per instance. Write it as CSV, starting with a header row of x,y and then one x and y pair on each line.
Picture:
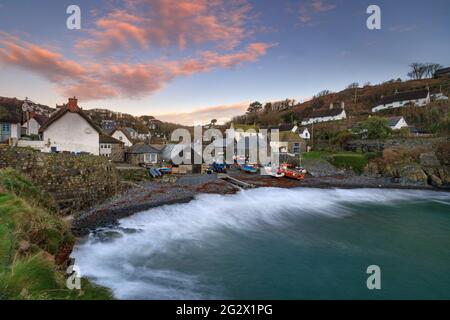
x,y
249,168
292,173
274,172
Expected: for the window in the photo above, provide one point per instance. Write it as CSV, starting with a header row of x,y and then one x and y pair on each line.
x,y
5,131
150,158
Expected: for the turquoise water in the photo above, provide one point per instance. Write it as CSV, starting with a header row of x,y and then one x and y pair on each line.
x,y
278,244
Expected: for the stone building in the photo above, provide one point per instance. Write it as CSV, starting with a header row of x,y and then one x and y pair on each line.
x,y
112,148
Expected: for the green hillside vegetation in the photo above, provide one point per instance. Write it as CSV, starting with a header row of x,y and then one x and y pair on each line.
x,y
343,160
359,101
31,237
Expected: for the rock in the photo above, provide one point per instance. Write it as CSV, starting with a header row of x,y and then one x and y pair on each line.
x,y
319,168
108,236
429,159
412,174
24,246
435,181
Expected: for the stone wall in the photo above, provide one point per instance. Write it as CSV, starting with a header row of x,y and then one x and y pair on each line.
x,y
380,145
75,182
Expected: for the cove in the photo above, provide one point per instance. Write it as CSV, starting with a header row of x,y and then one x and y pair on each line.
x,y
273,243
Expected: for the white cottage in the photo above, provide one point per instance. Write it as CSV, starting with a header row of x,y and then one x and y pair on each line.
x,y
124,136
414,98
71,130
305,134
32,126
397,123
326,115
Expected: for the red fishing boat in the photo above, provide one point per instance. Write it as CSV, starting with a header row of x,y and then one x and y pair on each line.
x,y
292,173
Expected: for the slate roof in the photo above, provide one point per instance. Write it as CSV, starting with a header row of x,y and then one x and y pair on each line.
x,y
405,96
442,71
283,127
393,121
125,132
322,113
9,113
40,119
108,139
143,148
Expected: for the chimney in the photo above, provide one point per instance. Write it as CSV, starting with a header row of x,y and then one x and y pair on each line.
x,y
73,104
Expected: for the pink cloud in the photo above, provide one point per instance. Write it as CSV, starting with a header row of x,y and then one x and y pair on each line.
x,y
90,81
320,6
308,10
164,23
204,115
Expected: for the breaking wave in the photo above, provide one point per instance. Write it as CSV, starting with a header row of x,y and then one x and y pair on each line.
x,y
134,258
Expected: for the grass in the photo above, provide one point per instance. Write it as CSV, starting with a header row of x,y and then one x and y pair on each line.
x,y
356,162
30,236
343,160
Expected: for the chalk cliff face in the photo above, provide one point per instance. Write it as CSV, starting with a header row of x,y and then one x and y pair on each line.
x,y
75,182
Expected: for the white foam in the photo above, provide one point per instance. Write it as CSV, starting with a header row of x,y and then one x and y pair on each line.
x,y
122,264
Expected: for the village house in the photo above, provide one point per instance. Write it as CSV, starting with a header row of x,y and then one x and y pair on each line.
x,y
442,73
111,148
289,143
143,154
334,113
305,134
124,136
418,98
70,130
32,126
438,97
10,120
172,150
109,124
397,123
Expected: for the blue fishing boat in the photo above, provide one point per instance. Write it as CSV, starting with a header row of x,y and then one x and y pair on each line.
x,y
249,168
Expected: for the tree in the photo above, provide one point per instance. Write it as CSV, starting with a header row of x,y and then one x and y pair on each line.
x,y
353,85
423,70
254,107
418,71
374,128
268,107
431,69
213,122
323,93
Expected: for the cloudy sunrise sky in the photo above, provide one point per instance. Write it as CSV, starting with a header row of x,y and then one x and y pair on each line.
x,y
190,61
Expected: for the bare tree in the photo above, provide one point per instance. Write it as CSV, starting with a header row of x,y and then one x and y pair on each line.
x,y
418,71
323,93
353,85
423,70
431,69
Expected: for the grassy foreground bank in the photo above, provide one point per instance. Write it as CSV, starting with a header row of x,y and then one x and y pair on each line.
x,y
34,244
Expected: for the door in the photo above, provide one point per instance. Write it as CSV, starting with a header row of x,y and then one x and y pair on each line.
x,y
5,131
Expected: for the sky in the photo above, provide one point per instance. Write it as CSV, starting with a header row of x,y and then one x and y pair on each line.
x,y
190,61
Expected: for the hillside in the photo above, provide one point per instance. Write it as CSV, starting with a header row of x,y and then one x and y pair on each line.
x,y
139,123
34,246
358,102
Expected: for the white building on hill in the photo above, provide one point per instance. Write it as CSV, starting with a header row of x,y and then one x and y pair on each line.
x,y
414,98
326,115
